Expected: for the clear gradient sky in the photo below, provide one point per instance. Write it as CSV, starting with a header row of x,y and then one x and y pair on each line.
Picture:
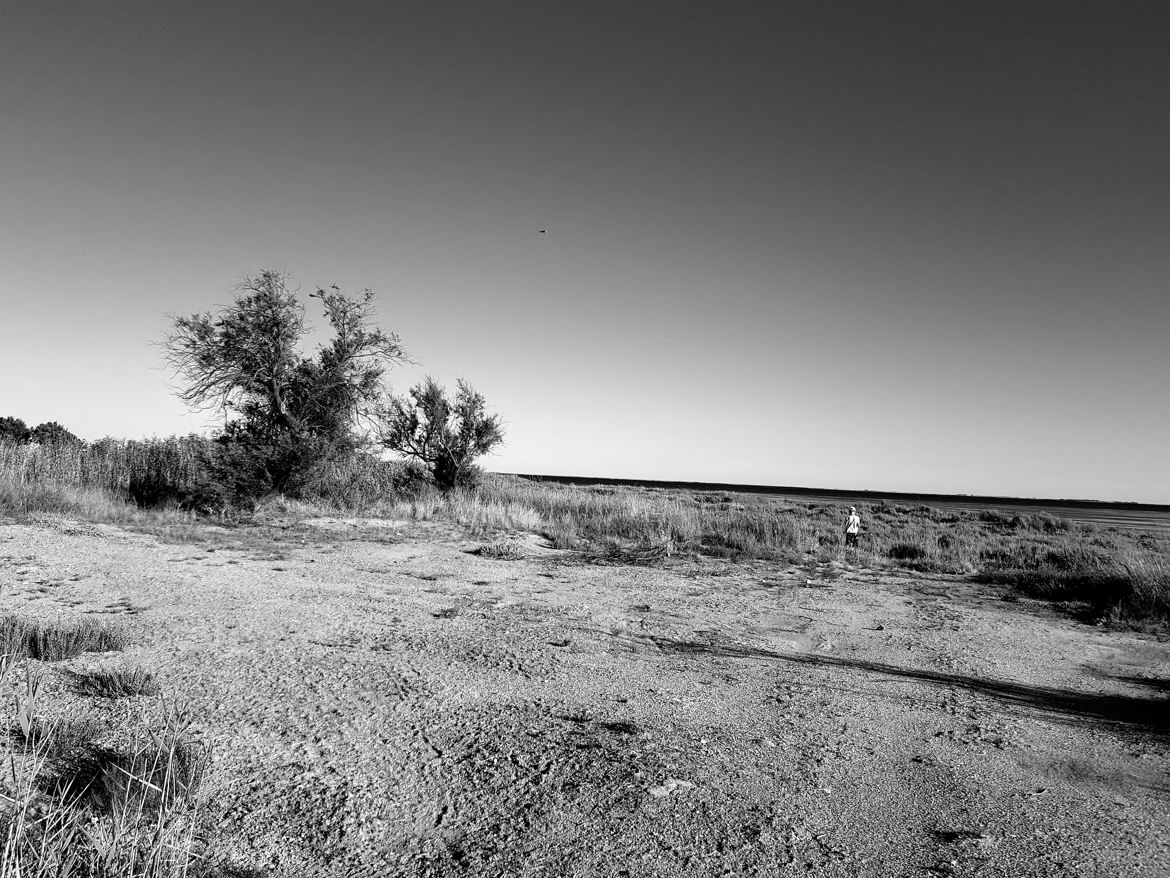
x,y
912,246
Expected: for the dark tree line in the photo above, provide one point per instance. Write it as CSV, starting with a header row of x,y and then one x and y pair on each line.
x,y
48,433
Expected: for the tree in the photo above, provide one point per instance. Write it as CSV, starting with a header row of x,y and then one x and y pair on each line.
x,y
446,436
52,433
286,412
48,433
14,430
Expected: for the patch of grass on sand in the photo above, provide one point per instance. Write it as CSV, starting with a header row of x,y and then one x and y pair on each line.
x,y
1123,575
501,550
85,799
116,683
1131,587
58,641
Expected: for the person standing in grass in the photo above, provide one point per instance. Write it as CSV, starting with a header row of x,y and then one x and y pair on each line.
x,y
852,528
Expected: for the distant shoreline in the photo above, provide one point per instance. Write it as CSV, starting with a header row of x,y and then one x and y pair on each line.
x,y
899,496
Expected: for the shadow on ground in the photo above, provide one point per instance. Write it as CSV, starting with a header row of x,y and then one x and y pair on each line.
x,y
1147,714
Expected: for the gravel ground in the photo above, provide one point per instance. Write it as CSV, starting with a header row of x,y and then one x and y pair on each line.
x,y
380,701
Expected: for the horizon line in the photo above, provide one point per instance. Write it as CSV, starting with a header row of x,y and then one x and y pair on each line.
x,y
921,496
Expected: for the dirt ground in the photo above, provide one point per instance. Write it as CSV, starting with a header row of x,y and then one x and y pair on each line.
x,y
380,701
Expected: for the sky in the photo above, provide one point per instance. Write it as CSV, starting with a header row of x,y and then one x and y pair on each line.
x,y
903,246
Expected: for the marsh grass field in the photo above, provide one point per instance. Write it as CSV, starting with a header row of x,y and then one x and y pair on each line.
x,y
532,678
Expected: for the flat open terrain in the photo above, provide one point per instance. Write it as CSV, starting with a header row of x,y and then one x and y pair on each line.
x,y
381,702
1146,517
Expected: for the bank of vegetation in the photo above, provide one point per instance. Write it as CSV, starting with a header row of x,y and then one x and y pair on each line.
x,y
1113,573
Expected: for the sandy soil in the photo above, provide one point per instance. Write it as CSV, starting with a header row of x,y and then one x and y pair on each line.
x,y
382,702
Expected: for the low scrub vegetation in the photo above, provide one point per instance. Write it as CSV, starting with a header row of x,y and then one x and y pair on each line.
x,y
1127,584
1119,574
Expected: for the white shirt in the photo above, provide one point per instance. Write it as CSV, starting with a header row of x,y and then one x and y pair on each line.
x,y
854,524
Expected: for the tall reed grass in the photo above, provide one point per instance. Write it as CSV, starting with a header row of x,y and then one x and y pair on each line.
x,y
146,471
108,480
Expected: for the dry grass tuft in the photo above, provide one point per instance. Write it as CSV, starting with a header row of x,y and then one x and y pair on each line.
x,y
78,805
149,774
1148,597
639,556
501,550
486,516
58,641
116,683
89,503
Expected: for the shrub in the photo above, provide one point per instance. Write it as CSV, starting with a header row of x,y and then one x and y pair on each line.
x,y
906,552
447,436
360,481
410,480
994,516
245,464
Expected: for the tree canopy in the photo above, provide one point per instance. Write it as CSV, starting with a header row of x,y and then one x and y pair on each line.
x,y
51,432
447,436
15,430
247,360
48,433
286,411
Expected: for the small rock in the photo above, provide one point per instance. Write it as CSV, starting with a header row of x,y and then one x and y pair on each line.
x,y
672,784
